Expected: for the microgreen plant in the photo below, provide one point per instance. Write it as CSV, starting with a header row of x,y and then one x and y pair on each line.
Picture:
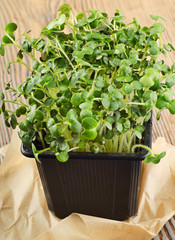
x,y
91,89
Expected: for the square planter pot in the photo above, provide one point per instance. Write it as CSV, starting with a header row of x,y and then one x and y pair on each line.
x,y
103,185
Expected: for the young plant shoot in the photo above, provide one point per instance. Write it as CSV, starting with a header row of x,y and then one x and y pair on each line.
x,y
91,88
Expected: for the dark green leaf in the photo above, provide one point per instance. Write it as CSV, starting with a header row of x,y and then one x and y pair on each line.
x,y
13,121
6,39
11,27
2,96
49,101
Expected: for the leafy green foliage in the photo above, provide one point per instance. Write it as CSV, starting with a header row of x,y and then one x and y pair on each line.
x,y
91,89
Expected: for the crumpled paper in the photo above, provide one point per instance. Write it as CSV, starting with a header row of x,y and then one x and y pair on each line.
x,y
24,213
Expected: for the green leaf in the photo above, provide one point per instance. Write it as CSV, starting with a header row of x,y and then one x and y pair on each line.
x,y
172,106
124,79
138,135
140,128
22,110
85,113
171,46
38,115
114,105
136,85
49,101
35,65
109,134
2,96
2,49
35,152
62,156
11,27
39,94
161,103
153,73
50,122
62,19
8,66
149,103
62,144
89,123
83,63
155,17
75,126
87,50
119,126
120,48
76,99
154,158
156,28
146,81
59,21
170,81
128,88
6,39
154,50
64,8
78,54
100,82
89,134
72,115
85,105
108,125
82,144
127,124
149,158
25,125
105,100
13,121
167,47
54,130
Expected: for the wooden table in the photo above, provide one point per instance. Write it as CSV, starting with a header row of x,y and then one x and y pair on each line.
x,y
33,14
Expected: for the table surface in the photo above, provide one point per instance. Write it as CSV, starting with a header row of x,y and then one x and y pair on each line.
x,y
34,14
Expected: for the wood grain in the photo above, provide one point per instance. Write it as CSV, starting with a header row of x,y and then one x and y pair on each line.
x,y
34,14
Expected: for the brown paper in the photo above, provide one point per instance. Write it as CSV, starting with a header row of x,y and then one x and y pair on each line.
x,y
24,213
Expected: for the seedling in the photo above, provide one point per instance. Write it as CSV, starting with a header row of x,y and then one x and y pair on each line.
x,y
91,89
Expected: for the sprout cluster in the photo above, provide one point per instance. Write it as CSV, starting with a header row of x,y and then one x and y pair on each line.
x,y
91,89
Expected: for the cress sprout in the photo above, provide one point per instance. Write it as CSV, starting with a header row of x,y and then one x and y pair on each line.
x,y
91,89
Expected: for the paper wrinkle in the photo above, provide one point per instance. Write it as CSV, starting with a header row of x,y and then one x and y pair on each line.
x,y
24,213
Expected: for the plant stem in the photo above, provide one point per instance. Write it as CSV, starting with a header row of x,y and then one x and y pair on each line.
x,y
63,52
42,140
142,146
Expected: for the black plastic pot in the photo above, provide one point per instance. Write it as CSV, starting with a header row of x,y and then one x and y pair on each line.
x,y
103,185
